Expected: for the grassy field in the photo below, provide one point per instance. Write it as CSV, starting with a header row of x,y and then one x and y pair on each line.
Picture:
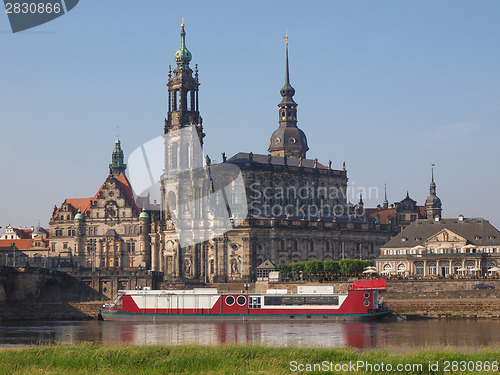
x,y
105,359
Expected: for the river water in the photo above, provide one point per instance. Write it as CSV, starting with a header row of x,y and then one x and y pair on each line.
x,y
395,335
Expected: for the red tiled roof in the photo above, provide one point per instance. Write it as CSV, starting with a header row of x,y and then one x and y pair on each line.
x,y
371,214
20,244
85,203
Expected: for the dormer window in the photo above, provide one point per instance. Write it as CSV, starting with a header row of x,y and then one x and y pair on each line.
x,y
404,239
477,237
491,237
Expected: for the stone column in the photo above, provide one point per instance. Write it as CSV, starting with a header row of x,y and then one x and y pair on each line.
x,y
425,268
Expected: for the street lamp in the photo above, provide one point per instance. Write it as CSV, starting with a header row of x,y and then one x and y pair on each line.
x,y
91,247
13,253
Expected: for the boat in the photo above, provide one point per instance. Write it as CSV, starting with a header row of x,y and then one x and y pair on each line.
x,y
320,303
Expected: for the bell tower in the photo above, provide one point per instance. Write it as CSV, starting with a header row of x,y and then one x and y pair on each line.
x,y
183,110
288,140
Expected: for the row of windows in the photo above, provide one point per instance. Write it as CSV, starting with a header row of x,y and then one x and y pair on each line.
x,y
93,231
441,251
300,300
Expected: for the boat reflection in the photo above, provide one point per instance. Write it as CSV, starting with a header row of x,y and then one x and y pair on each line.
x,y
341,334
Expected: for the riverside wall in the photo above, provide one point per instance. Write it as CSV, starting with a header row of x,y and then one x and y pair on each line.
x,y
442,299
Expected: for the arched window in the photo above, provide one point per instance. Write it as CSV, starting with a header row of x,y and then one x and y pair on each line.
x,y
327,246
470,266
419,268
401,269
432,268
311,246
282,245
387,268
456,267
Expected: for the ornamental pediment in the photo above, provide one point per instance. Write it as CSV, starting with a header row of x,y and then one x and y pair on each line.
x,y
445,235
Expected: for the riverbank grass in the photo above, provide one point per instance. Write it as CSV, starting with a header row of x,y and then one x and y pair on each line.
x,y
190,359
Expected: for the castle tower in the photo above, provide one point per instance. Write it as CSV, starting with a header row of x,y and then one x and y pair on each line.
x,y
433,203
288,140
117,165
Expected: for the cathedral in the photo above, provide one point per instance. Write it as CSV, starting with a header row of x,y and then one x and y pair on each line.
x,y
297,206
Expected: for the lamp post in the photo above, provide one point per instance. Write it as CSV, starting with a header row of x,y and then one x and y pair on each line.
x,y
13,253
91,247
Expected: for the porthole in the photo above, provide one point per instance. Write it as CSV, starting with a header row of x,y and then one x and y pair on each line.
x,y
366,303
367,295
292,140
277,141
230,300
241,300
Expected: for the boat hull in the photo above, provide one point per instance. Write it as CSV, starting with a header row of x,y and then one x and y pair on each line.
x,y
144,317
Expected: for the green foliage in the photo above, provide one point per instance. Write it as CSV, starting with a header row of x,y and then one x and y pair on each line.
x,y
298,266
284,268
314,266
331,267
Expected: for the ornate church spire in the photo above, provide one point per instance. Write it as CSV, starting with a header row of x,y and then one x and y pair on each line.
x,y
117,165
288,140
433,205
385,203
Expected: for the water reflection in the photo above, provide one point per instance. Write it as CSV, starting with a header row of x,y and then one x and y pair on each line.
x,y
398,335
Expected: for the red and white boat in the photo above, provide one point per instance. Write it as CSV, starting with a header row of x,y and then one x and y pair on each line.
x,y
309,303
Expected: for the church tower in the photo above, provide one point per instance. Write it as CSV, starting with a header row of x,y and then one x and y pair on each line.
x,y
433,203
117,165
183,110
288,140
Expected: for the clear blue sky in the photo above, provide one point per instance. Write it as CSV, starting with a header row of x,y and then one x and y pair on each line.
x,y
388,86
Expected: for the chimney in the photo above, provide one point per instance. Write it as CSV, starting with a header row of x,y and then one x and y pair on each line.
x,y
460,217
436,218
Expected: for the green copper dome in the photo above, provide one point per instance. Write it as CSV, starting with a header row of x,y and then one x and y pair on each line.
x,y
79,215
144,214
183,56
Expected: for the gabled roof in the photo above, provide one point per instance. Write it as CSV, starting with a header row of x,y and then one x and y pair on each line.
x,y
266,265
476,231
86,203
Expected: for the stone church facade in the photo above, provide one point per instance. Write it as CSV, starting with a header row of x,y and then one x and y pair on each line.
x,y
297,207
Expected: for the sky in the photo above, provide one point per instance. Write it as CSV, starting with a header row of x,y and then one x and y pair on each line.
x,y
389,87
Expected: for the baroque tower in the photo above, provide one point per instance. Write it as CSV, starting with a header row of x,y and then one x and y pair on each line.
x,y
433,203
288,140
117,165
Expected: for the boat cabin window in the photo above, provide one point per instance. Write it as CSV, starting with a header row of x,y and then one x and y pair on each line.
x,y
300,300
254,302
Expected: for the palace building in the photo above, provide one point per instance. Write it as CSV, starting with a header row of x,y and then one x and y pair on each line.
x,y
442,248
107,231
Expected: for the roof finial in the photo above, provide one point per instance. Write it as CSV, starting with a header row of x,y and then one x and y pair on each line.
x,y
287,79
385,191
117,132
182,24
432,168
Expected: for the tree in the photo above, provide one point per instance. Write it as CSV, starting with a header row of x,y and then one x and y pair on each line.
x,y
314,266
331,267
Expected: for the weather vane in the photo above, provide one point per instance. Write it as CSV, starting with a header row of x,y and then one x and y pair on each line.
x,y
286,38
